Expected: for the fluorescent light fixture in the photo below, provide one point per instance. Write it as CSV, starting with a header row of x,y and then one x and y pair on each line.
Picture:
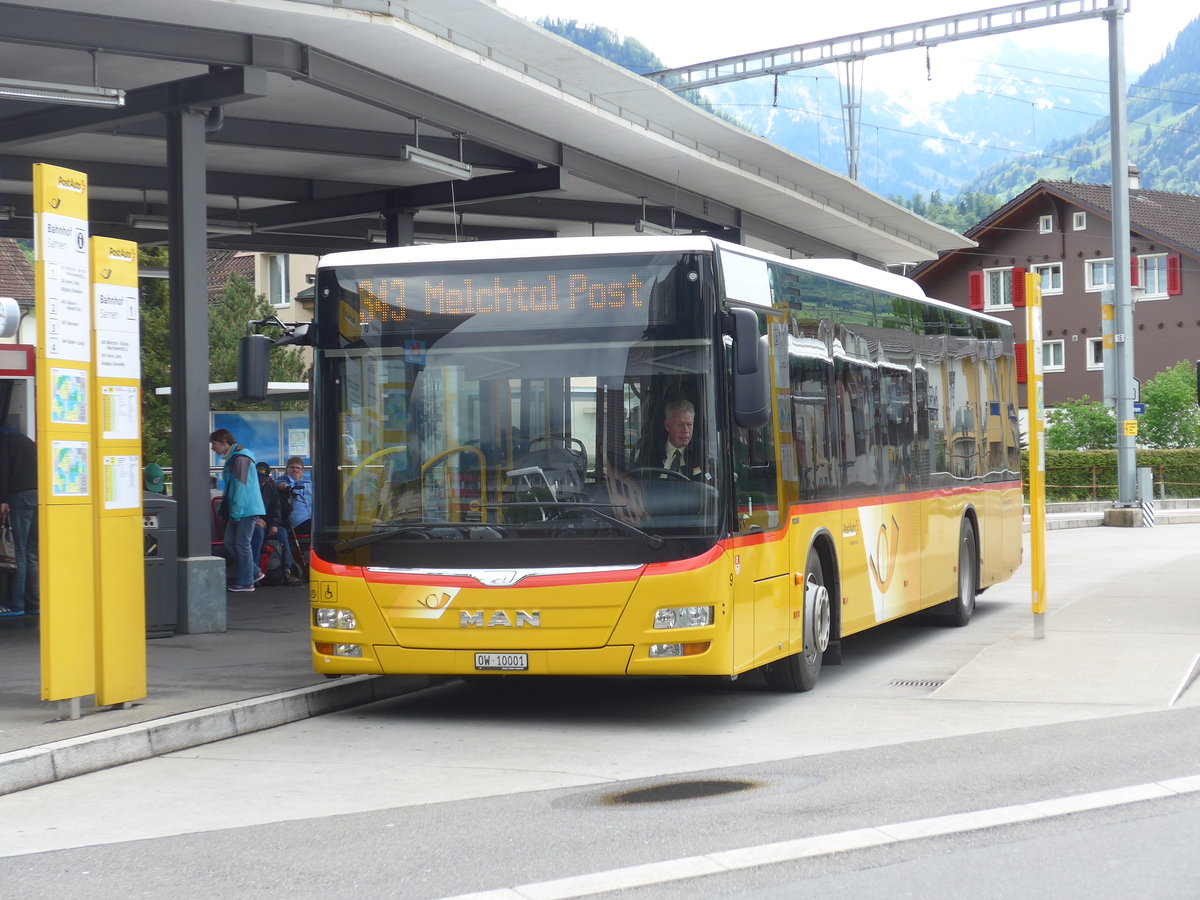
x,y
641,226
435,162
443,238
212,226
49,92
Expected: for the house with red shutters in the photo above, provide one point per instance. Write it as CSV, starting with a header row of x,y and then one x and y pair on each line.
x,y
1061,231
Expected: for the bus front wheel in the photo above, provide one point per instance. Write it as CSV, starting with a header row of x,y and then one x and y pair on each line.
x,y
799,671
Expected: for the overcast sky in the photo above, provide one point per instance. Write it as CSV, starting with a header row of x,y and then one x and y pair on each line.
x,y
683,32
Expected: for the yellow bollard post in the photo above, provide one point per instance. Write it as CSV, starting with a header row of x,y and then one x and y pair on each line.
x,y
1036,406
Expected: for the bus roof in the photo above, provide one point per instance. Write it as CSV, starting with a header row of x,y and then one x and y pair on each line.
x,y
519,249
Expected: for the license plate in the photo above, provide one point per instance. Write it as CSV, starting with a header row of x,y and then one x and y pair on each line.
x,y
507,662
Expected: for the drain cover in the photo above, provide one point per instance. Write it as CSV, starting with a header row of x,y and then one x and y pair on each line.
x,y
916,683
681,790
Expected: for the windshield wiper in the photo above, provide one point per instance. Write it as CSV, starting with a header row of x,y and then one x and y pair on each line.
x,y
653,541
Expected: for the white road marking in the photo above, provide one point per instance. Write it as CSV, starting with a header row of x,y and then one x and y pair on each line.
x,y
826,844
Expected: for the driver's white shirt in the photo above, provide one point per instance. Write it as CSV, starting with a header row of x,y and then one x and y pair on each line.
x,y
670,456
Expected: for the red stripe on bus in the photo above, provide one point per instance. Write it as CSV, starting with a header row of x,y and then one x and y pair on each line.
x,y
798,509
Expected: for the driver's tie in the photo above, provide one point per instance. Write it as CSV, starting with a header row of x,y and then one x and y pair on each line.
x,y
676,461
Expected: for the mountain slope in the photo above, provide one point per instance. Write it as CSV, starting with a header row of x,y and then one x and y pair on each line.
x,y
986,140
1163,113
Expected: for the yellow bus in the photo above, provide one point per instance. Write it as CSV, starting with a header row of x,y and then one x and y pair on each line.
x,y
646,456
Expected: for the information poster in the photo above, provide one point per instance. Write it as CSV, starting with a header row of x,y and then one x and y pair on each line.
x,y
62,248
122,482
122,419
297,442
118,345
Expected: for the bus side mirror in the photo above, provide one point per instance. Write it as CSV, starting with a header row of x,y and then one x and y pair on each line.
x,y
751,371
254,363
299,335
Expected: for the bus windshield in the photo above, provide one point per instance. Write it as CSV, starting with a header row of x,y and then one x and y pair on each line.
x,y
552,412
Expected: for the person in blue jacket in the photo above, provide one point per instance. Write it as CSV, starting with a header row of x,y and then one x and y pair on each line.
x,y
243,507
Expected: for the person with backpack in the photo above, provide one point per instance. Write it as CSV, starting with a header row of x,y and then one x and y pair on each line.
x,y
242,507
267,525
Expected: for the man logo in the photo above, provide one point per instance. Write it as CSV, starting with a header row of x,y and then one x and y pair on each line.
x,y
499,619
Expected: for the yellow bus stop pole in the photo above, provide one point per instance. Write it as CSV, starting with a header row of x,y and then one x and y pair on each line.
x,y
1036,405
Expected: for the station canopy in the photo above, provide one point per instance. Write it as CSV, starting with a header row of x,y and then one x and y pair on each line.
x,y
335,124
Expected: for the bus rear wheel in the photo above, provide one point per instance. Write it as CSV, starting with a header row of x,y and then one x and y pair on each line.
x,y
962,607
799,672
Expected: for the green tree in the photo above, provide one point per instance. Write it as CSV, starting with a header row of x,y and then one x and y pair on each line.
x,y
227,317
1172,419
1082,424
156,359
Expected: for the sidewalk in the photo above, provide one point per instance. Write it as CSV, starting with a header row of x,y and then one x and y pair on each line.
x,y
201,688
1124,614
1091,515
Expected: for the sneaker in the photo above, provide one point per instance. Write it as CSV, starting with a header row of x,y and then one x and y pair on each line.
x,y
260,576
241,587
5,611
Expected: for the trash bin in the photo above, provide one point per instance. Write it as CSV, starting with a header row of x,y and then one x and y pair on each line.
x,y
160,526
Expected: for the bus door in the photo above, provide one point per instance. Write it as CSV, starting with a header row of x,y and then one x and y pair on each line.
x,y
762,582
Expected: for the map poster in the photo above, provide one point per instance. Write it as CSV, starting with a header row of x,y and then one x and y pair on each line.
x,y
68,396
69,468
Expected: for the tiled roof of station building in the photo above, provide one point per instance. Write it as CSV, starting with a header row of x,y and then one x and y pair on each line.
x,y
224,263
16,273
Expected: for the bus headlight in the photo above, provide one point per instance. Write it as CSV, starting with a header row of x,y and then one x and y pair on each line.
x,y
334,617
683,616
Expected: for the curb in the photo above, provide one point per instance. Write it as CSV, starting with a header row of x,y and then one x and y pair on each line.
x,y
1095,518
45,764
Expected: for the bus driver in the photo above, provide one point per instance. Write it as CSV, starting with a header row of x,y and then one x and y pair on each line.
x,y
678,452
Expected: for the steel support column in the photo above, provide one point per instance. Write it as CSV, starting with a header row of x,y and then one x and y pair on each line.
x,y
1123,328
399,226
201,591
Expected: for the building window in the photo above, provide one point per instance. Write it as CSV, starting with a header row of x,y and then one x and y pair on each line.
x,y
1152,276
1095,353
1051,276
1052,356
997,288
277,291
1045,224
1098,275
1079,221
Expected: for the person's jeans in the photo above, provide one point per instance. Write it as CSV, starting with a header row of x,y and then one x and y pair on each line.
x,y
24,589
239,541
